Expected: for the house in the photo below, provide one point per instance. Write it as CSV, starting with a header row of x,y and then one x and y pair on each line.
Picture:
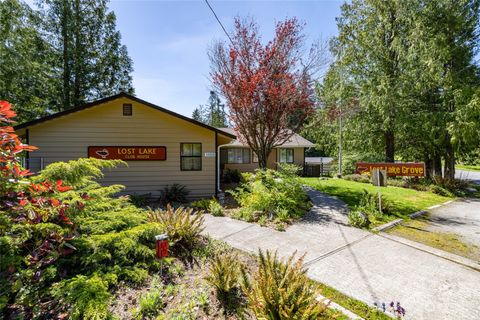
x,y
238,156
160,147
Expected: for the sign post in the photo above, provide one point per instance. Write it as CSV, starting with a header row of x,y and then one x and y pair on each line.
x,y
161,248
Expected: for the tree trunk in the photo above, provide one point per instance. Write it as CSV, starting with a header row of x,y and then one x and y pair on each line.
x,y
389,146
449,168
437,164
428,166
262,158
66,57
77,63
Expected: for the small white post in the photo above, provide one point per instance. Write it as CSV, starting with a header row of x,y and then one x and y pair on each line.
x,y
379,192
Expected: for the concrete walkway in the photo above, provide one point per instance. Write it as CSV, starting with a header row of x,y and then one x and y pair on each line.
x,y
365,266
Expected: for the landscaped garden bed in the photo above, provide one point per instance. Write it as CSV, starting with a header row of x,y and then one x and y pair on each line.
x,y
273,198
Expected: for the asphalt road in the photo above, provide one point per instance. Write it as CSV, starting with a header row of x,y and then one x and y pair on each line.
x,y
468,175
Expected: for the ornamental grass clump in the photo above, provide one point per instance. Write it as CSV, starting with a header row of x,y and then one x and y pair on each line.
x,y
281,290
182,225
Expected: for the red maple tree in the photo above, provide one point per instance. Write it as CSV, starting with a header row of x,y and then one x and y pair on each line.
x,y
268,88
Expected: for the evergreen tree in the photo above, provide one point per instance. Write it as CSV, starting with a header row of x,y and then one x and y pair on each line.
x,y
26,76
92,61
411,67
213,113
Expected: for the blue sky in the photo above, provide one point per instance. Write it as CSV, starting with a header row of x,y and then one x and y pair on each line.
x,y
168,40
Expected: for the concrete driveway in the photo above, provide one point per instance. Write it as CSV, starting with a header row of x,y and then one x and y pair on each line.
x,y
461,217
363,265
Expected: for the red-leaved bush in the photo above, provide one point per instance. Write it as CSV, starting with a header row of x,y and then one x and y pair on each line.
x,y
34,223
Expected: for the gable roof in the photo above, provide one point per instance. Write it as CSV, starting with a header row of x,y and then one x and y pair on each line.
x,y
295,141
114,97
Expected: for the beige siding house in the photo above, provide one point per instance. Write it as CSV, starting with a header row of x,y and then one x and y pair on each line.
x,y
160,147
237,156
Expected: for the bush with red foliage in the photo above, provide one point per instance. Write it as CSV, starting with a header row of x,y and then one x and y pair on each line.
x,y
35,228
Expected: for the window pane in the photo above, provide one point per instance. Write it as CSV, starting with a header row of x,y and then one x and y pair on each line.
x,y
196,149
191,163
238,155
186,149
290,155
196,163
246,155
283,155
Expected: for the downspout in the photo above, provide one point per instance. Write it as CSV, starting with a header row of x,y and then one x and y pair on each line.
x,y
219,190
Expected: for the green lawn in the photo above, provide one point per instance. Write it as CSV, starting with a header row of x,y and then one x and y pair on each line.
x,y
467,168
403,201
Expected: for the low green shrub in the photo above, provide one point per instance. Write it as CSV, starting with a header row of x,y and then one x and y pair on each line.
x,y
174,194
268,192
455,186
225,277
363,178
86,297
215,208
151,303
368,212
232,176
182,225
140,200
281,290
359,219
440,191
202,204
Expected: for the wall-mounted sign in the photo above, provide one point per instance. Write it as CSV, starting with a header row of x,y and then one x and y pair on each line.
x,y
209,154
416,169
128,153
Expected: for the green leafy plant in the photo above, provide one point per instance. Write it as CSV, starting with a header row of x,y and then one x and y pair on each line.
x,y
215,208
151,303
224,277
140,200
173,194
359,219
232,176
202,204
182,225
270,192
87,297
281,290
363,178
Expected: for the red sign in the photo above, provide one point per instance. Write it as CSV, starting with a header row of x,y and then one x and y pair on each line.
x,y
409,169
161,247
128,153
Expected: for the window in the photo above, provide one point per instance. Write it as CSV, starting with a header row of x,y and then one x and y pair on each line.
x,y
190,156
238,155
127,109
285,156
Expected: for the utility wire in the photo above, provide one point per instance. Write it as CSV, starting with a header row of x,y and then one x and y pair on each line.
x,y
216,17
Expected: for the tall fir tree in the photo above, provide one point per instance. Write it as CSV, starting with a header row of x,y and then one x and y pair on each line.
x,y
27,77
92,62
213,113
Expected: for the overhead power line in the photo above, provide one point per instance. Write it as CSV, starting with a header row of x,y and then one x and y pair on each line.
x,y
218,20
